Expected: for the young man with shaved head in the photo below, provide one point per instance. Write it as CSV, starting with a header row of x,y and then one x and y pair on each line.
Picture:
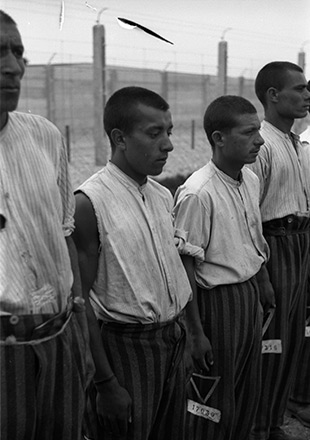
x,y
283,171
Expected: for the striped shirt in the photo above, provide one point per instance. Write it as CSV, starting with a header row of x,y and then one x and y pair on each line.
x,y
283,171
140,276
38,205
218,223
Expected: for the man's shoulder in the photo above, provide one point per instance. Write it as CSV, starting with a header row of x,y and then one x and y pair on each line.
x,y
96,181
158,187
270,134
201,179
249,176
33,121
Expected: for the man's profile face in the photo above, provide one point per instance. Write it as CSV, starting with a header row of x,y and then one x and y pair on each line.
x,y
12,67
242,143
293,100
148,144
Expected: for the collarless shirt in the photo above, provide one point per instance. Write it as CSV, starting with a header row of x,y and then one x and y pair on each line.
x,y
38,204
140,274
283,171
218,223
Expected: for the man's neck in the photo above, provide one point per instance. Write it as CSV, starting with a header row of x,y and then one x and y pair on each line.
x,y
3,120
233,172
281,124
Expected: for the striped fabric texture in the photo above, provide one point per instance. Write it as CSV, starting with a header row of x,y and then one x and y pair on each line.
x,y
43,385
288,267
231,317
301,388
140,277
36,192
148,361
283,172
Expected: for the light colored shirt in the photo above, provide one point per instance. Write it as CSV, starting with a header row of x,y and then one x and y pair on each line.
x,y
306,151
38,204
218,223
305,136
283,172
140,275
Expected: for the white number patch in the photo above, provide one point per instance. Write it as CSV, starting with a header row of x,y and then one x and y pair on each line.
x,y
203,411
272,346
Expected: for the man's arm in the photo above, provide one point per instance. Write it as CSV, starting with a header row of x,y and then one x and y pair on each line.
x,y
113,401
76,286
200,344
266,292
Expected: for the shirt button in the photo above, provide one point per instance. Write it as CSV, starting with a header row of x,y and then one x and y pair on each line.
x,y
289,220
14,319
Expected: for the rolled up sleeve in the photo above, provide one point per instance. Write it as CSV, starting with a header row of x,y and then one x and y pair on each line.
x,y
191,231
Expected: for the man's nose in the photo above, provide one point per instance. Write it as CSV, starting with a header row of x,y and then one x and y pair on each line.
x,y
12,65
259,139
167,144
307,94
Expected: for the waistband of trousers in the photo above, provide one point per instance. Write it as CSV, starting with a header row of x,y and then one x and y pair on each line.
x,y
142,327
36,328
289,225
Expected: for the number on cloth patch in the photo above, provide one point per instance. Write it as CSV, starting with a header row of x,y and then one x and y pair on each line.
x,y
272,346
203,411
201,387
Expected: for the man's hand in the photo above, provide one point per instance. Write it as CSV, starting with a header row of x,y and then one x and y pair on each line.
x,y
114,408
266,291
267,297
201,351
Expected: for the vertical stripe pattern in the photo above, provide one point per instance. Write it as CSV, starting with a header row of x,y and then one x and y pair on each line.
x,y
282,168
231,317
301,387
34,178
154,286
43,387
288,239
148,361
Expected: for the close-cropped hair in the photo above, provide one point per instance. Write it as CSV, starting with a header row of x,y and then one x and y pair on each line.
x,y
120,110
273,74
221,114
5,18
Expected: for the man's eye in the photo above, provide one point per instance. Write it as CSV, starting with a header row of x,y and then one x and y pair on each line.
x,y
18,53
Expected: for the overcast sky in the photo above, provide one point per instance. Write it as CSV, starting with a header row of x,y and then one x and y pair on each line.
x,y
257,31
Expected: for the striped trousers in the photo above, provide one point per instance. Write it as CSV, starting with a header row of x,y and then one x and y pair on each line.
x,y
301,388
148,360
288,239
43,376
231,316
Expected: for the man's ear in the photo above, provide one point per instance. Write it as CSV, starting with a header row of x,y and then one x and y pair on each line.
x,y
272,94
217,137
118,138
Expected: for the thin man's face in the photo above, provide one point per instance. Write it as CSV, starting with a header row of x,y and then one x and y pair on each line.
x,y
12,67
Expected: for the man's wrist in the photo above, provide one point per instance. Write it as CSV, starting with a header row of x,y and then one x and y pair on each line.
x,y
105,382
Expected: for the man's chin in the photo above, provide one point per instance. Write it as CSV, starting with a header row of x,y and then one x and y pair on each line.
x,y
10,106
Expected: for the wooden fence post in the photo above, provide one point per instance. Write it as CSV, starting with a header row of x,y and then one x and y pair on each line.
x,y
68,142
193,134
99,90
50,93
